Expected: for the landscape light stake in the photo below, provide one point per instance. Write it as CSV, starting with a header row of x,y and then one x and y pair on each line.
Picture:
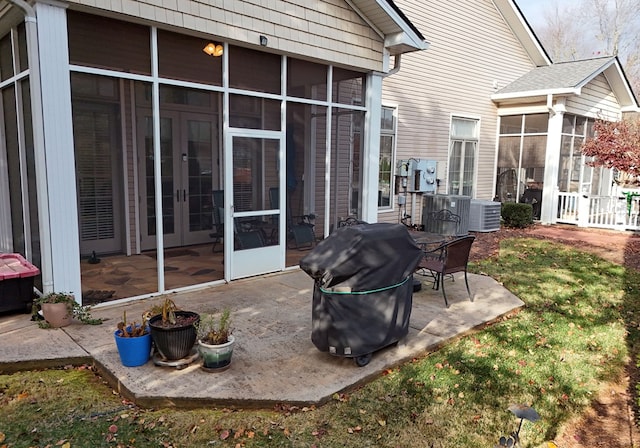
x,y
523,412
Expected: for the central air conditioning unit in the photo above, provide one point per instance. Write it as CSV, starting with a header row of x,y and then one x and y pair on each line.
x,y
484,216
455,204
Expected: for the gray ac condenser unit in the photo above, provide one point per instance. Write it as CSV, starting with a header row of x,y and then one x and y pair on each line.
x,y
484,216
454,203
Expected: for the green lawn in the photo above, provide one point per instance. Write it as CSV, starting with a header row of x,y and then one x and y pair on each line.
x,y
578,327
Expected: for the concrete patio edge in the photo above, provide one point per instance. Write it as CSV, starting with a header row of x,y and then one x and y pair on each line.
x,y
275,361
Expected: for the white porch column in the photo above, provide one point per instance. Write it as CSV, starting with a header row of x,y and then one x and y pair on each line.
x,y
371,156
59,151
548,212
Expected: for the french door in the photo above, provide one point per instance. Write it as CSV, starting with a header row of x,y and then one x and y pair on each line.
x,y
188,160
99,178
254,192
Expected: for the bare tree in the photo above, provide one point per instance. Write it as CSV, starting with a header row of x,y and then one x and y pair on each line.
x,y
595,28
561,35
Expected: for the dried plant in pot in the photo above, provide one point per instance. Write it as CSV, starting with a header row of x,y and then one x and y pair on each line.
x,y
60,308
173,330
215,341
133,340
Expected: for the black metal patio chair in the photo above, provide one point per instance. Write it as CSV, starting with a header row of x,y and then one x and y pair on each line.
x,y
446,259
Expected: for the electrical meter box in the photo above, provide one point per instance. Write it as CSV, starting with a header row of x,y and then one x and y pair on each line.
x,y
422,176
402,168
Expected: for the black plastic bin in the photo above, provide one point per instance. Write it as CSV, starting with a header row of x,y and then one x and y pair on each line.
x,y
16,283
363,289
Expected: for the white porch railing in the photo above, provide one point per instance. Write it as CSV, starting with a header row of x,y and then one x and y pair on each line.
x,y
618,212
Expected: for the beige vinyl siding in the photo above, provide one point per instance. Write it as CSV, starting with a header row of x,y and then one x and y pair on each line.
x,y
471,47
323,30
596,100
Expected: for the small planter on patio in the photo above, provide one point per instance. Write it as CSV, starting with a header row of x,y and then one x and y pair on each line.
x,y
134,342
173,331
59,309
215,341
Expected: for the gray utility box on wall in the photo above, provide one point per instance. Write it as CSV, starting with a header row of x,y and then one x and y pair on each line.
x,y
455,204
484,216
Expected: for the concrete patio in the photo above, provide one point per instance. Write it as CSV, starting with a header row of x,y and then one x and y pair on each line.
x,y
274,360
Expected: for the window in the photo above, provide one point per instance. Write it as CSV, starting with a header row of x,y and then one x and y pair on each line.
x,y
462,155
387,146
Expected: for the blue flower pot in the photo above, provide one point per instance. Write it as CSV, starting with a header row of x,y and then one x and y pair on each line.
x,y
134,351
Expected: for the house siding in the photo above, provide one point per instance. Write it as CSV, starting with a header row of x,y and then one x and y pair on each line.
x,y
596,100
327,30
471,50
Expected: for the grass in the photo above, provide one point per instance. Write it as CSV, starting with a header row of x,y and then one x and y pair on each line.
x,y
580,324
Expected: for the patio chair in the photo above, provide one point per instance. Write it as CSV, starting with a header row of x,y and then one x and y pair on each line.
x,y
350,221
443,222
249,239
300,234
447,259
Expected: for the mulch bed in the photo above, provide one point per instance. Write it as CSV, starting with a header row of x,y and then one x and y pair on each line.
x,y
616,246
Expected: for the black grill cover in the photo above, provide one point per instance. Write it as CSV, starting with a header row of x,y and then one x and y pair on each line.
x,y
363,287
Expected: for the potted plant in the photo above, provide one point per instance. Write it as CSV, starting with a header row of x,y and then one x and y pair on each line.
x,y
59,308
215,341
173,330
133,341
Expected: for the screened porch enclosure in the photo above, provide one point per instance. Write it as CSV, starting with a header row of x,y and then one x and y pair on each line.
x,y
151,156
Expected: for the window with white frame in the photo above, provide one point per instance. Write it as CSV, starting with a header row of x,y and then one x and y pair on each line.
x,y
387,156
462,155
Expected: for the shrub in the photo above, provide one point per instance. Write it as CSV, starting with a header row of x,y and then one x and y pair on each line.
x,y
517,215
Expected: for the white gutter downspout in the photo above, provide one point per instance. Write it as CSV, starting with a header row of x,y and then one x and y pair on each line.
x,y
46,269
396,67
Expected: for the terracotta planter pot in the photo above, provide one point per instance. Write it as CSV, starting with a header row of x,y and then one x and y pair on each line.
x,y
57,314
216,357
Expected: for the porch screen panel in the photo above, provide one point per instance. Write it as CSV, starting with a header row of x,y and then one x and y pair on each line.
x,y
250,112
36,256
22,48
309,137
564,170
346,170
254,70
166,163
348,86
93,133
508,162
199,156
306,79
181,57
13,168
94,173
102,42
6,58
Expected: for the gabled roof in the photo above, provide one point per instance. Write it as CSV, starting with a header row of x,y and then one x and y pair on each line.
x,y
568,78
384,16
522,30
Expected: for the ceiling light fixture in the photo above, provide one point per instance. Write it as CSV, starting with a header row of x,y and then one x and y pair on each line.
x,y
213,50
